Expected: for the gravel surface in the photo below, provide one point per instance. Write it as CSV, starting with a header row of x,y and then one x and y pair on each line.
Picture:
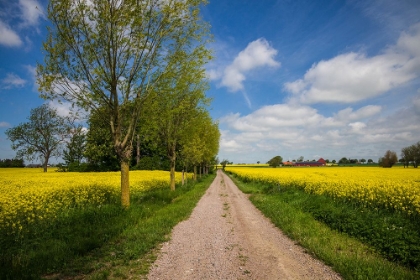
x,y
226,237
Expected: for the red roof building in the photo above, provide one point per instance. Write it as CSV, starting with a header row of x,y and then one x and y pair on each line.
x,y
320,162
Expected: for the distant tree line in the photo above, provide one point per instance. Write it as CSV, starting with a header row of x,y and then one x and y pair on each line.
x,y
47,134
12,162
411,154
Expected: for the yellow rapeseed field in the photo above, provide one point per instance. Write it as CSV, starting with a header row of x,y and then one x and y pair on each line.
x,y
29,195
393,188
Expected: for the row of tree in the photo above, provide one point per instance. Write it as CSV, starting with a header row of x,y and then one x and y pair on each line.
x,y
138,66
16,162
48,134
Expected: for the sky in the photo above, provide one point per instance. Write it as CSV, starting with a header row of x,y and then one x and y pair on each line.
x,y
293,78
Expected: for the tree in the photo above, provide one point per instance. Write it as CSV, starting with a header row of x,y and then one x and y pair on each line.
x,y
42,137
181,97
224,163
16,162
353,161
75,148
362,160
258,162
201,141
109,55
300,159
343,160
411,154
333,161
370,160
275,161
99,151
389,159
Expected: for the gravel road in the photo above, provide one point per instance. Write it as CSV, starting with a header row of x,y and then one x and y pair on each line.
x,y
226,237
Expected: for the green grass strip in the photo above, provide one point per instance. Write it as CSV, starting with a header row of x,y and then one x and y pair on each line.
x,y
346,255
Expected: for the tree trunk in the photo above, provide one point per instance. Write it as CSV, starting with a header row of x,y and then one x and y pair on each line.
x,y
182,176
45,165
186,175
172,173
138,150
195,172
125,183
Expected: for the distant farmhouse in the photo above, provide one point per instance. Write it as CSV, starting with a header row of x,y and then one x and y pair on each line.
x,y
320,162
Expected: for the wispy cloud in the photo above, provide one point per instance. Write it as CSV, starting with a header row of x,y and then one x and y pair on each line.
x,y
12,81
352,77
4,124
27,13
8,37
31,12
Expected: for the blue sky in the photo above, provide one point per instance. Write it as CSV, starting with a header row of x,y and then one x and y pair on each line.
x,y
292,78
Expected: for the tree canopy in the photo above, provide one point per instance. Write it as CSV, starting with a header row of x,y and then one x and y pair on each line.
x,y
411,154
275,161
41,137
389,159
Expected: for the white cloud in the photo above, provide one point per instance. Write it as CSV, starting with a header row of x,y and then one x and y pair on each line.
x,y
357,127
67,109
352,77
31,11
273,116
294,130
364,112
8,37
257,54
63,108
213,74
12,81
4,124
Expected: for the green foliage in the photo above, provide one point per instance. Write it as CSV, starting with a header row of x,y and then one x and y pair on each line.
x,y
275,161
153,163
343,160
73,154
12,162
99,150
82,240
201,143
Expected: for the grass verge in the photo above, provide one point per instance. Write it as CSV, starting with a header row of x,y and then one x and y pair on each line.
x,y
348,256
100,243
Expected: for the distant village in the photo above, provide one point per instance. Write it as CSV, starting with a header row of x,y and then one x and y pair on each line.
x,y
320,162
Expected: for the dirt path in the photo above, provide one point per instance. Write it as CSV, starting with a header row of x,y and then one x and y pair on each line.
x,y
226,237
